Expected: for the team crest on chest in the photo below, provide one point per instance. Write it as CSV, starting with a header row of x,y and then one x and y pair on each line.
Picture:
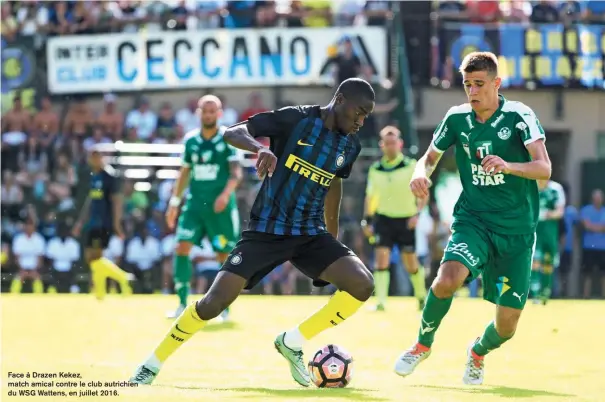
x,y
340,160
206,155
504,133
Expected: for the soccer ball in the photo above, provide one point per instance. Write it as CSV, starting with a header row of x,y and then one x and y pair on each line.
x,y
331,367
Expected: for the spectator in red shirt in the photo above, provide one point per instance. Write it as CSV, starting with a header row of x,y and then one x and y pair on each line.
x,y
483,10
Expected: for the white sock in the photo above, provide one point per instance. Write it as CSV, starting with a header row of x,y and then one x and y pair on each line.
x,y
153,362
294,339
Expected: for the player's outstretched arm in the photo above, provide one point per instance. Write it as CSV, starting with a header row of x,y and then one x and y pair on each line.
x,y
241,136
332,206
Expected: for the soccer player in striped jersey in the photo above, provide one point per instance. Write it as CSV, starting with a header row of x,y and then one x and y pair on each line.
x,y
103,213
294,218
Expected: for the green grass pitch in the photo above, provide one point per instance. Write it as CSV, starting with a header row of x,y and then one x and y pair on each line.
x,y
557,354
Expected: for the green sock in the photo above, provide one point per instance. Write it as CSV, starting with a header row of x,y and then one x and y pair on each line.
x,y
434,311
382,278
489,341
546,284
182,277
418,283
534,280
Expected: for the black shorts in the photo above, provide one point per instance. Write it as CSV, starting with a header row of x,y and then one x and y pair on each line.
x,y
257,254
98,238
391,232
565,263
593,261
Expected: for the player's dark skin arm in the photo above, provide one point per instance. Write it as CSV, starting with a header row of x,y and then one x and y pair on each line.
x,y
332,206
241,136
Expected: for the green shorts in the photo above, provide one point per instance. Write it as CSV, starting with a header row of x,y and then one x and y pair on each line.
x,y
547,249
198,220
503,261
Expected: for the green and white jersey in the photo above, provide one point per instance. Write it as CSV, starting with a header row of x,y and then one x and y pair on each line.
x,y
209,162
552,197
505,203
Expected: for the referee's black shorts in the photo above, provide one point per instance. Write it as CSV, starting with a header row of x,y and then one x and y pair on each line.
x,y
390,232
258,253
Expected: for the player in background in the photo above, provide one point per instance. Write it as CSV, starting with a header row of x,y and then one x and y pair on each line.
x,y
546,256
500,153
294,218
391,214
103,210
211,171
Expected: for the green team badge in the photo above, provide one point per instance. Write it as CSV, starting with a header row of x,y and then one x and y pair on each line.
x,y
206,156
484,148
504,133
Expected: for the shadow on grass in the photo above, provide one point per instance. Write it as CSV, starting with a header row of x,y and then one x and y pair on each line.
x,y
354,394
223,326
504,392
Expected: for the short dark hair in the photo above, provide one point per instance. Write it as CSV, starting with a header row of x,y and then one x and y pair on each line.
x,y
480,61
356,88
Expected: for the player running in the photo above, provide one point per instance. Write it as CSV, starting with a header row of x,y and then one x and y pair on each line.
x,y
294,217
103,209
500,154
393,210
212,171
546,257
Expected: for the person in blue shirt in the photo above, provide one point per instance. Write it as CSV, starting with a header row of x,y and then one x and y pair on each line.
x,y
593,242
570,221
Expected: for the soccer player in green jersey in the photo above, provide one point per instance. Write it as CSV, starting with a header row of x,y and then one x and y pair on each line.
x,y
393,210
213,170
500,153
546,257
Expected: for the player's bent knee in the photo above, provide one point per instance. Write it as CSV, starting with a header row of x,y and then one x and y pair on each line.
x,y
183,248
361,285
210,307
450,278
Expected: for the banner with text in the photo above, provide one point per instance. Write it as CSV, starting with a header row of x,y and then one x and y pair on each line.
x,y
212,58
540,55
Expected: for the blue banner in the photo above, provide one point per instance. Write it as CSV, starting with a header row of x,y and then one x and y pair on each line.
x,y
534,56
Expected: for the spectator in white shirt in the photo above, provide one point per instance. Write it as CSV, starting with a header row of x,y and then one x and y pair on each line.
x,y
63,251
144,119
28,249
203,259
168,244
188,117
142,252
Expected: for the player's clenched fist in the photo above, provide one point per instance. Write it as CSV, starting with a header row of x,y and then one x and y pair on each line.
x,y
493,164
265,164
420,186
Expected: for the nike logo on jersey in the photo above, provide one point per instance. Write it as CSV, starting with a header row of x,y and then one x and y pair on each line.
x,y
304,144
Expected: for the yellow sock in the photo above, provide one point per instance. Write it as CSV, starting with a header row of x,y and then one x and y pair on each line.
x,y
38,286
182,330
99,279
418,283
340,307
16,285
